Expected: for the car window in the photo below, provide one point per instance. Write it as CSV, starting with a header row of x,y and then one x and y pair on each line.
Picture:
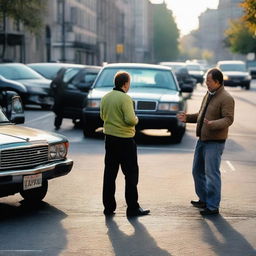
x,y
192,67
3,118
47,71
69,74
18,72
86,78
140,77
233,67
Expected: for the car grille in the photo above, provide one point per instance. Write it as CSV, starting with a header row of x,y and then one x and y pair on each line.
x,y
22,157
236,78
146,105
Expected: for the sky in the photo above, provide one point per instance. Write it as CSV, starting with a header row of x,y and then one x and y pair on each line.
x,y
186,12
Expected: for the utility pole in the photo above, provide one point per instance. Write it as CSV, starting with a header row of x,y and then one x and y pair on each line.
x,y
63,30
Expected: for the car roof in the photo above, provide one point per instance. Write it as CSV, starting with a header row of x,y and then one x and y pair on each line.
x,y
172,63
230,62
61,64
136,65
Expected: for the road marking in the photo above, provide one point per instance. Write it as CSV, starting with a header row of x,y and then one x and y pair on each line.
x,y
39,118
167,149
230,166
21,251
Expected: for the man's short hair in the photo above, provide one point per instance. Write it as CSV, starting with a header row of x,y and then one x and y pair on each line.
x,y
121,78
216,75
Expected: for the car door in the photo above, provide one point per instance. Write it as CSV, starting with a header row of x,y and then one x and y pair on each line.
x,y
78,86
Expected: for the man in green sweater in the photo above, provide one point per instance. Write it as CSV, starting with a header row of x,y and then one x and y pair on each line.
x,y
117,112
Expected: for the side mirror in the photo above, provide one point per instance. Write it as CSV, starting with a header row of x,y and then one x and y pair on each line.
x,y
17,112
186,88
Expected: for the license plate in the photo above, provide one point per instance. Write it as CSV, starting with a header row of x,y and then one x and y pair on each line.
x,y
32,181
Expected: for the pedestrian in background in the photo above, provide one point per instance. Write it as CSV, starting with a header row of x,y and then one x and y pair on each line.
x,y
213,120
117,112
58,90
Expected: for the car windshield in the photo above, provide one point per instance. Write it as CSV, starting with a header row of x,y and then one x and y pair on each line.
x,y
48,72
140,77
18,72
3,118
233,67
192,67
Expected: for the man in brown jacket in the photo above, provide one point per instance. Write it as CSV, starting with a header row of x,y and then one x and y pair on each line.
x,y
213,120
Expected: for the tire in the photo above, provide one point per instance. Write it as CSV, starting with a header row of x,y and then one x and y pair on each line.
x,y
36,194
88,130
247,86
177,135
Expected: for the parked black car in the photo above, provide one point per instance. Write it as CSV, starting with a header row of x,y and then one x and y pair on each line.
x,y
70,89
10,85
196,71
182,74
38,87
49,70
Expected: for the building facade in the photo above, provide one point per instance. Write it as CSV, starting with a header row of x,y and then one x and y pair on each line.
x,y
212,26
87,32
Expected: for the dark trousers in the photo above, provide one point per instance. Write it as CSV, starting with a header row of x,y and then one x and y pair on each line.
x,y
120,152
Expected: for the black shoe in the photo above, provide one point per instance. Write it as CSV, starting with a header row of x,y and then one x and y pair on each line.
x,y
137,212
108,212
57,128
198,204
207,211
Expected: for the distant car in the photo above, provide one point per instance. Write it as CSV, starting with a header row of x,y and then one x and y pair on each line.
x,y
181,72
38,87
29,157
251,65
235,73
195,71
76,81
156,94
11,85
49,70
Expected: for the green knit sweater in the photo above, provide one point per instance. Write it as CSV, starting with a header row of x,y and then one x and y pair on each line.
x,y
117,112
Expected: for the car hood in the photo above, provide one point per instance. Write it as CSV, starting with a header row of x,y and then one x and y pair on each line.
x,y
235,73
42,83
156,94
17,134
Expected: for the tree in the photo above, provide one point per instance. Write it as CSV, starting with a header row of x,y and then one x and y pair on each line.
x,y
166,34
241,35
239,38
249,16
28,12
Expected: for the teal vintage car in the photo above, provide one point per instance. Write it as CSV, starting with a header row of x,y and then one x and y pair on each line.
x,y
156,94
28,157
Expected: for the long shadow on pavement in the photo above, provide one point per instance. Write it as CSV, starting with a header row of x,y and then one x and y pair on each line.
x,y
224,239
138,243
31,230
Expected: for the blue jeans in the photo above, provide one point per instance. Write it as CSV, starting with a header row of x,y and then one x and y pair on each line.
x,y
206,172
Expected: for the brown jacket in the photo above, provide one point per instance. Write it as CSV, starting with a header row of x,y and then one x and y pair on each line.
x,y
220,110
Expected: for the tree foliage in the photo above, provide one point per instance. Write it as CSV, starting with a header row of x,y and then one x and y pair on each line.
x,y
166,34
241,35
249,16
240,39
28,12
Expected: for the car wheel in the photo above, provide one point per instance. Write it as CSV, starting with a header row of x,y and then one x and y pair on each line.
x,y
88,130
35,194
247,86
177,135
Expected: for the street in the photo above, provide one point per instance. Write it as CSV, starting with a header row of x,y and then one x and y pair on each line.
x,y
70,221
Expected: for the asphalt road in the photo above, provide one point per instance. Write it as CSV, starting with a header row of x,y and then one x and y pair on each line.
x,y
70,220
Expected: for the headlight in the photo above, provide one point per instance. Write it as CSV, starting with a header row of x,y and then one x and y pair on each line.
x,y
58,151
225,77
168,106
93,104
248,77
